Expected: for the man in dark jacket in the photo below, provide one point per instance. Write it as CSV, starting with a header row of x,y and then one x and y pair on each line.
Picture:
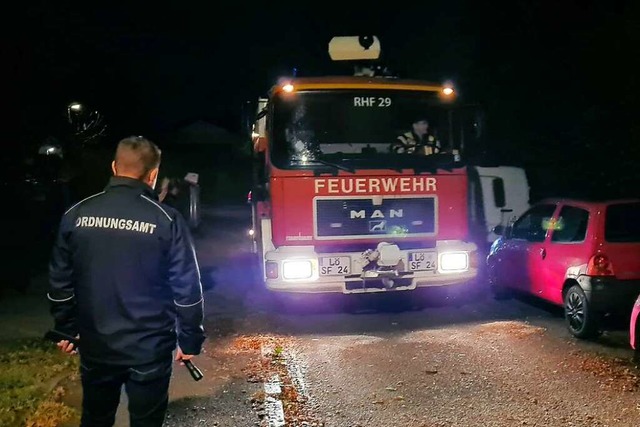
x,y
124,278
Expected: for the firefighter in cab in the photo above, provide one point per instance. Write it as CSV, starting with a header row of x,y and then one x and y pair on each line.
x,y
418,140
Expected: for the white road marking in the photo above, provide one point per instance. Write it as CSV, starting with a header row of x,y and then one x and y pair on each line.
x,y
272,388
266,350
296,372
273,385
275,412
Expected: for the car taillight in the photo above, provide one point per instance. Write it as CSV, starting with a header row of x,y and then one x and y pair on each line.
x,y
600,265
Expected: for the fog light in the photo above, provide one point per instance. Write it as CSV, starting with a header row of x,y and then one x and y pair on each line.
x,y
297,269
454,261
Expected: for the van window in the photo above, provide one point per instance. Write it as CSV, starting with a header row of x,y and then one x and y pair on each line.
x,y
498,193
572,225
621,223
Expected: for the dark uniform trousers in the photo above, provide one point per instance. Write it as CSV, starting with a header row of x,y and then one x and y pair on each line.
x,y
147,388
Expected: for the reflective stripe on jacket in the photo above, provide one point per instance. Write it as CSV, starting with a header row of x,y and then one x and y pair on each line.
x,y
408,143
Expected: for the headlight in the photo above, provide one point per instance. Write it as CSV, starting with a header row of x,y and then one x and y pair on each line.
x,y
454,261
297,269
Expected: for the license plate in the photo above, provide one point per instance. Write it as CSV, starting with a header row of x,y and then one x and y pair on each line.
x,y
335,266
421,261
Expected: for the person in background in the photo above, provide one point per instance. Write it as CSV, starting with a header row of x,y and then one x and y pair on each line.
x,y
418,140
124,278
174,192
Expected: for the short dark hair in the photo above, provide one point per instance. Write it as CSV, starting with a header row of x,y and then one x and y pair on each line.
x,y
136,155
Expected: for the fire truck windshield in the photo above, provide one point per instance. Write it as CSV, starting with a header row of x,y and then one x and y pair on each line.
x,y
362,128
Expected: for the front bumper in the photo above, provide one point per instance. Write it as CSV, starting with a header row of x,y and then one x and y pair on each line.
x,y
608,294
352,286
360,278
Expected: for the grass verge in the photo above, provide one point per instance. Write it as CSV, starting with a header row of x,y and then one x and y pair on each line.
x,y
30,373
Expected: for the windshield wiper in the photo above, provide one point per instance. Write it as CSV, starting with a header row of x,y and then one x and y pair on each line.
x,y
334,165
327,163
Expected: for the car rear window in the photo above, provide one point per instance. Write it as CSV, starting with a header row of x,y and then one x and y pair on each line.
x,y
622,223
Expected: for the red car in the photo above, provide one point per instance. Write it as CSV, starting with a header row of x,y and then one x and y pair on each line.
x,y
581,255
634,329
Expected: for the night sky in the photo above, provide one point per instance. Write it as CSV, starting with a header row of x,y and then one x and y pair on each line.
x,y
558,79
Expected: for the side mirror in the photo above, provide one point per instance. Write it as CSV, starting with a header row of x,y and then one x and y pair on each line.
x,y
192,178
503,231
499,197
260,144
257,194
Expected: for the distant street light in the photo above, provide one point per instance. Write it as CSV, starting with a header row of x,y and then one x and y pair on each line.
x,y
87,124
75,108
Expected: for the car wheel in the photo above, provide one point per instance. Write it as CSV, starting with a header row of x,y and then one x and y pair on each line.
x,y
581,321
499,291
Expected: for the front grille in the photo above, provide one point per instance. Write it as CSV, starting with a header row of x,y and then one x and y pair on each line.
x,y
330,247
360,217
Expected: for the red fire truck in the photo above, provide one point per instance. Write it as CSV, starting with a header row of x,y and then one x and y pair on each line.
x,y
337,209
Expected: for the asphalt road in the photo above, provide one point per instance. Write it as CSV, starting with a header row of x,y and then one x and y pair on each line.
x,y
418,359
385,359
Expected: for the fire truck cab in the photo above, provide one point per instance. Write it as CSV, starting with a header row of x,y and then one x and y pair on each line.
x,y
337,208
